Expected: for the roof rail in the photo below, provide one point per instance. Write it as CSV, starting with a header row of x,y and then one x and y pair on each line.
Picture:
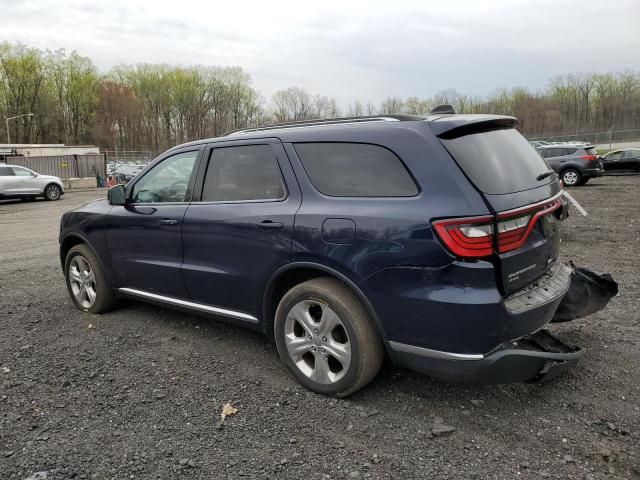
x,y
328,121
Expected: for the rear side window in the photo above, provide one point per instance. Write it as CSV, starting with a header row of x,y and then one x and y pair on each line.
x,y
355,170
248,172
6,172
498,161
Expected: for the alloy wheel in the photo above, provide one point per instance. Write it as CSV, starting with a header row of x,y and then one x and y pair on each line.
x,y
317,341
53,192
570,178
82,281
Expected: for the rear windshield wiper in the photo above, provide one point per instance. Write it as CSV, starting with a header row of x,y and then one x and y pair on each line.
x,y
544,175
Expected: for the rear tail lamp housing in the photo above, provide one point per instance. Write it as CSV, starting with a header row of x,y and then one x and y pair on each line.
x,y
476,237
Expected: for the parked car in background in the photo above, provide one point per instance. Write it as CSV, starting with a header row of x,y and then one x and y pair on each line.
x,y
20,182
624,159
575,164
432,239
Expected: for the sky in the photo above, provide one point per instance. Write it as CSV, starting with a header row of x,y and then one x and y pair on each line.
x,y
347,49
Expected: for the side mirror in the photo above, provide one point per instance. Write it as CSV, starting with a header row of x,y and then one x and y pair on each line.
x,y
116,195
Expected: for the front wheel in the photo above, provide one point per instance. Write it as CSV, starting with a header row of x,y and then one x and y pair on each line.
x,y
326,338
52,192
571,177
86,282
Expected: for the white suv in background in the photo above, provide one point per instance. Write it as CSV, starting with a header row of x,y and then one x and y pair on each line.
x,y
20,182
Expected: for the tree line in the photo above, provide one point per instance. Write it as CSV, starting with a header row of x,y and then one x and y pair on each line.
x,y
152,107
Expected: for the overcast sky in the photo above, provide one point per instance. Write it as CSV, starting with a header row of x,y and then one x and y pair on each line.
x,y
345,49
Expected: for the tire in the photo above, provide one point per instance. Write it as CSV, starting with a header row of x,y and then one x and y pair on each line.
x,y
571,177
306,323
93,280
52,192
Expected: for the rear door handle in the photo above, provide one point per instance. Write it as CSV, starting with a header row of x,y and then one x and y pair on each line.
x,y
168,221
270,225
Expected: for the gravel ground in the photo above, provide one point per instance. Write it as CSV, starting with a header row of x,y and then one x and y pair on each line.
x,y
137,393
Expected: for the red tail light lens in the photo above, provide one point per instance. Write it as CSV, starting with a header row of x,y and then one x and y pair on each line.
x,y
473,237
470,237
589,158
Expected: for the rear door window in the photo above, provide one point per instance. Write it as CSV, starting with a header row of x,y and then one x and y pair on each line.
x,y
248,172
355,170
498,161
6,172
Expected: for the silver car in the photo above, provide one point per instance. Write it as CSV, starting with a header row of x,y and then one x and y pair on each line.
x,y
20,182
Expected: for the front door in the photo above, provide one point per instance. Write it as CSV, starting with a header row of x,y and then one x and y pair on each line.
x,y
241,228
144,235
25,181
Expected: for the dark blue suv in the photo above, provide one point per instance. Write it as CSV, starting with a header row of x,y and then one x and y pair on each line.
x,y
432,239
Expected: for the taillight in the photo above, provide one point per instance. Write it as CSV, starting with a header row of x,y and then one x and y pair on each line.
x,y
589,158
473,237
470,237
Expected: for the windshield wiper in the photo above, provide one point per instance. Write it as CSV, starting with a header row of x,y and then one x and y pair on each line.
x,y
544,175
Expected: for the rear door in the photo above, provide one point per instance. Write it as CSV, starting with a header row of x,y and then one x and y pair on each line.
x,y
8,181
631,159
524,198
239,229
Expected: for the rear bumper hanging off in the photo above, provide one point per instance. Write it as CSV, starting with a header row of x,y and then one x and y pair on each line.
x,y
535,357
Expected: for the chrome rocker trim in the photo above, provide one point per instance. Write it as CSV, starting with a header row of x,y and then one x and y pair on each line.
x,y
200,307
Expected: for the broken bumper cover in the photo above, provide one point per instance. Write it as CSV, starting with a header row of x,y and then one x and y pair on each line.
x,y
534,358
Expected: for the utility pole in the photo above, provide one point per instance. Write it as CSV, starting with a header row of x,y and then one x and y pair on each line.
x,y
6,121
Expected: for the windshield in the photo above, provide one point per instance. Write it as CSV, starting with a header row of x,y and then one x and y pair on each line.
x,y
498,161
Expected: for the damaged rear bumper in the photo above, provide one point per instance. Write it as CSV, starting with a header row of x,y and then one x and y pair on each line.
x,y
562,294
534,358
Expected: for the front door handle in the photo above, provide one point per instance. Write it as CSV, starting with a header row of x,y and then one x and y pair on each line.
x,y
168,221
270,225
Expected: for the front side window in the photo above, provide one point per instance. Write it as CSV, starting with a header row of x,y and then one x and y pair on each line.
x,y
355,170
166,182
247,172
22,172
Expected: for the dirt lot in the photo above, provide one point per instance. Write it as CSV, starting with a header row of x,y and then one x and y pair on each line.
x,y
137,393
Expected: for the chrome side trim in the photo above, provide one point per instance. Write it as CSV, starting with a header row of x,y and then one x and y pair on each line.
x,y
425,352
200,307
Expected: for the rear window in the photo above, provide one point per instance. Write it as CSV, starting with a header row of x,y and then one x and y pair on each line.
x,y
355,170
591,151
498,161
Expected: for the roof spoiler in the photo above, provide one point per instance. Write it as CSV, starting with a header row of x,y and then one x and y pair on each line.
x,y
444,108
460,125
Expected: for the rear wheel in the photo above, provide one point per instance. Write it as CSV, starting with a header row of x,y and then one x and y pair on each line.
x,y
571,177
86,282
52,192
326,338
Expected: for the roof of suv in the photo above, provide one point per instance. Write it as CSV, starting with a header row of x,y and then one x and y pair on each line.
x,y
440,123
